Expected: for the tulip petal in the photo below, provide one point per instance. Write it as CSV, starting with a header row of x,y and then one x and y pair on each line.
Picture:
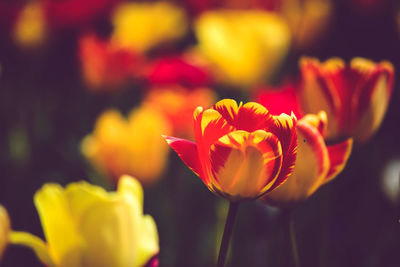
x,y
114,241
228,108
371,98
253,116
209,126
284,128
148,245
311,168
338,155
65,245
35,243
318,91
245,165
129,186
187,151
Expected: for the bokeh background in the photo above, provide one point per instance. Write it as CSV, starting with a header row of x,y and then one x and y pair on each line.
x,y
47,108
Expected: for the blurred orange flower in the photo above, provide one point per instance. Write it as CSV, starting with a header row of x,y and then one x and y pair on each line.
x,y
317,163
131,146
143,26
354,96
244,47
241,152
177,104
105,65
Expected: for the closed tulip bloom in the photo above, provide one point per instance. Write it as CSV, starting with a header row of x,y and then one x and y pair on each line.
x,y
86,226
317,163
4,230
355,96
241,151
244,47
132,146
143,26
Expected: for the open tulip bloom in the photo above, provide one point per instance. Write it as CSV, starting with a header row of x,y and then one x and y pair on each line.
x,y
85,226
241,152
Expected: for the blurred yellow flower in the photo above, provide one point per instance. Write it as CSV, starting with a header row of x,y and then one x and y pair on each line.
x,y
30,27
4,230
307,19
132,146
244,46
178,103
142,26
86,226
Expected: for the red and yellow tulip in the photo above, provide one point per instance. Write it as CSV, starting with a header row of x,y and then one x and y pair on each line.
x,y
129,146
354,96
86,226
317,163
241,151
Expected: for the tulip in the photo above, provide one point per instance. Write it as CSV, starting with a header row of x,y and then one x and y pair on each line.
x,y
177,104
354,96
86,226
143,26
129,146
4,230
243,47
105,65
241,152
317,163
308,20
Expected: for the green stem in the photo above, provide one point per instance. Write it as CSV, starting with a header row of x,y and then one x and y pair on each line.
x,y
230,221
289,225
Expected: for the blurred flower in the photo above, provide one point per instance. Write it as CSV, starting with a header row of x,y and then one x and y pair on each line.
x,y
316,163
355,96
143,26
177,104
105,65
86,226
5,227
76,13
241,152
30,26
177,71
199,6
390,181
132,146
244,47
279,100
308,20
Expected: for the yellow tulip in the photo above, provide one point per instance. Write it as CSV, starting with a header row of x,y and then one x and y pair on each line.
x,y
132,146
142,26
308,20
4,230
244,47
85,226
